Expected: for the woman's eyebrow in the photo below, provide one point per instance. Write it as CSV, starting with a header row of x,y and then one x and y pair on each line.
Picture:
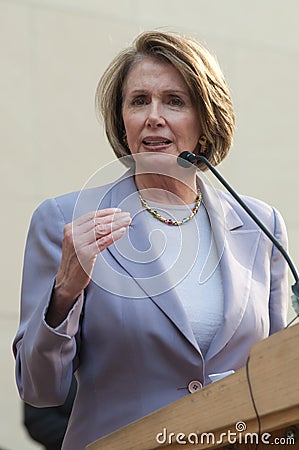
x,y
166,91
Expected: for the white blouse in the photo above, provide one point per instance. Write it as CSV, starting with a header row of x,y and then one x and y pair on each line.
x,y
191,261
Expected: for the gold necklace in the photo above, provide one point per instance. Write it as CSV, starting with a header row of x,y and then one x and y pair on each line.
x,y
171,222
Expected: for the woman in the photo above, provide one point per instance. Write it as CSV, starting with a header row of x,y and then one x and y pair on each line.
x,y
147,287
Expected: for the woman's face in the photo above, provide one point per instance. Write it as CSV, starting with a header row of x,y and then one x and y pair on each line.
x,y
158,113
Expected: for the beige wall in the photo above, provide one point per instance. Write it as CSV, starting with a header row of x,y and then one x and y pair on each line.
x,y
52,53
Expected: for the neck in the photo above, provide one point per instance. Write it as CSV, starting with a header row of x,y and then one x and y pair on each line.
x,y
167,189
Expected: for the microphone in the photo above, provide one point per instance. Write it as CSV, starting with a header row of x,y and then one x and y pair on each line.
x,y
187,159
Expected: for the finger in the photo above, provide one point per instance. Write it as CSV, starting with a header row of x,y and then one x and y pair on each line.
x,y
84,226
104,227
106,212
109,239
93,215
87,234
110,218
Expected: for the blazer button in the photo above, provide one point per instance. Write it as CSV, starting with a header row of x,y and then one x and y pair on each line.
x,y
194,386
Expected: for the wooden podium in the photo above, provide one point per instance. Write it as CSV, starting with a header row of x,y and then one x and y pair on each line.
x,y
260,398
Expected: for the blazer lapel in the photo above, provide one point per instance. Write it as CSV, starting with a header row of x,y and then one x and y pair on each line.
x,y
237,247
138,255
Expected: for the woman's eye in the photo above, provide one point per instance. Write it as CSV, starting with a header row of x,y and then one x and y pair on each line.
x,y
176,101
139,101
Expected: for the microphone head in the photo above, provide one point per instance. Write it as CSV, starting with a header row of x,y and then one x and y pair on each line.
x,y
186,159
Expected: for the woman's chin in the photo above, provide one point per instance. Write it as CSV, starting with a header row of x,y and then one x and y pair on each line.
x,y
153,159
160,163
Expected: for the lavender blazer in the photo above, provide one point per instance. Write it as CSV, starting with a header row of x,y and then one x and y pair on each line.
x,y
127,337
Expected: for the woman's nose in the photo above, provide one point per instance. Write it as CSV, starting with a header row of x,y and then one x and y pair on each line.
x,y
155,117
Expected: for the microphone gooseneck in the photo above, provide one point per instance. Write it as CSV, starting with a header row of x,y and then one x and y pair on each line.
x,y
187,159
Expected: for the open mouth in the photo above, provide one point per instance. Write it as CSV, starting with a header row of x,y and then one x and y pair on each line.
x,y
155,143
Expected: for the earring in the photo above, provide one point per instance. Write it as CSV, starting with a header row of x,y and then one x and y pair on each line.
x,y
203,143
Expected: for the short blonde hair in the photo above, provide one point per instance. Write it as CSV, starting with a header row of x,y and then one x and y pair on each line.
x,y
202,74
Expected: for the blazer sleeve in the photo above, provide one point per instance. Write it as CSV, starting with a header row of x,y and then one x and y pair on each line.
x,y
45,357
279,278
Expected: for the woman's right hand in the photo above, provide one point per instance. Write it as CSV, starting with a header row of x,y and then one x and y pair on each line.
x,y
83,240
